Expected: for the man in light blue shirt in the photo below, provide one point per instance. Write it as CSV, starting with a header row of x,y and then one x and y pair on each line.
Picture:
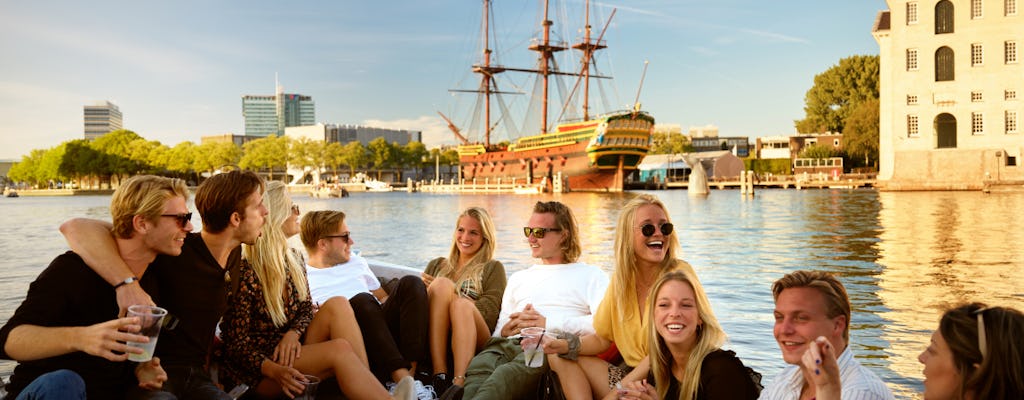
x,y
808,305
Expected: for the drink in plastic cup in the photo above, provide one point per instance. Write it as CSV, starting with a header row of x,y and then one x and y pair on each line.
x,y
150,318
533,349
310,392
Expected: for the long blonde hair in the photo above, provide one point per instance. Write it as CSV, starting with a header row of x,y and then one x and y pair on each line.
x,y
271,258
624,275
710,337
472,272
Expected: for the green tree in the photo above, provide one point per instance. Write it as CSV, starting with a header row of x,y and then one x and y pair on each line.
x,y
355,156
212,156
670,143
860,137
382,154
269,152
837,92
182,159
306,153
27,169
333,156
414,154
114,149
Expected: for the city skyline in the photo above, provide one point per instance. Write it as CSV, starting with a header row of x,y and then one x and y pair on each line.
x,y
178,70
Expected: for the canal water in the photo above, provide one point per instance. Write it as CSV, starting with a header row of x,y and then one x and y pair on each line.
x,y
903,257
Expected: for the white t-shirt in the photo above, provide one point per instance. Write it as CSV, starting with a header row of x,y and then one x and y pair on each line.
x,y
346,279
567,295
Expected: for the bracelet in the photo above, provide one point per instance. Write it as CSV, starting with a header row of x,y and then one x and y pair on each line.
x,y
126,281
574,345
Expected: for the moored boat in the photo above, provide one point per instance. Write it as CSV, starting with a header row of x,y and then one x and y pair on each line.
x,y
592,153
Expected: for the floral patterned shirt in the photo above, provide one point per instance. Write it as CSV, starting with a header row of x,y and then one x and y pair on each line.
x,y
248,332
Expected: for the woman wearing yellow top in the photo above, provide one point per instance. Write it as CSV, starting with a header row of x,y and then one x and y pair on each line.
x,y
645,248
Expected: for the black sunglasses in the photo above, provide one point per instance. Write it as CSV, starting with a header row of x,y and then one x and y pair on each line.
x,y
342,237
182,219
648,229
539,232
295,209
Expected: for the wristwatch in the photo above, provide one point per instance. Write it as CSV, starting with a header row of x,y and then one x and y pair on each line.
x,y
126,281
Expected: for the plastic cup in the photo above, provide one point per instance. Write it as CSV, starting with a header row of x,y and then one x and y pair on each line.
x,y
310,392
150,319
532,344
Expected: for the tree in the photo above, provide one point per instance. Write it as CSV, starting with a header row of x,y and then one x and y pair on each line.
x,y
354,155
212,156
182,159
860,137
837,92
333,156
27,169
414,154
670,143
269,152
382,154
305,153
114,149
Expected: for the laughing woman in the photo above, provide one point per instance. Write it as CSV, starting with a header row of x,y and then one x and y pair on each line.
x,y
645,248
269,313
465,293
685,361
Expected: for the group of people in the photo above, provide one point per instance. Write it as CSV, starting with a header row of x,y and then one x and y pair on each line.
x,y
646,331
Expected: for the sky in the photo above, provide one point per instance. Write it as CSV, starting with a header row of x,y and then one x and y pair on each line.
x,y
178,69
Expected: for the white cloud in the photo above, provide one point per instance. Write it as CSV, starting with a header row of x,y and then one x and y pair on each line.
x,y
435,131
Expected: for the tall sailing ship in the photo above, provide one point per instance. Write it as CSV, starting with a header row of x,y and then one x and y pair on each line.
x,y
591,153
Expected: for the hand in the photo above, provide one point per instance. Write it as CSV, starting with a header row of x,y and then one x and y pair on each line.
x,y
820,360
104,338
129,295
529,318
426,279
640,390
288,349
151,375
292,381
555,346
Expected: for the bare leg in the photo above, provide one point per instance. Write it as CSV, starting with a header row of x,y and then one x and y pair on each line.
x,y
335,320
469,334
337,358
585,378
440,293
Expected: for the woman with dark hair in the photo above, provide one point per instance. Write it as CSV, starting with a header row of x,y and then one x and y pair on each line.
x,y
976,354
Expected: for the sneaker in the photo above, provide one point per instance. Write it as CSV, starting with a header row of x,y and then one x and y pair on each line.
x,y
405,389
424,392
441,383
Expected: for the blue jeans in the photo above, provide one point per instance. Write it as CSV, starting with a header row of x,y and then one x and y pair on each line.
x,y
61,384
183,382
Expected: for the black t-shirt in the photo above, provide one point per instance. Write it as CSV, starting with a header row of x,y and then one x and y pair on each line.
x,y
69,293
722,376
193,289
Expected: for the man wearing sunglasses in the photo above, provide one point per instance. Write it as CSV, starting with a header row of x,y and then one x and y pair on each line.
x,y
394,327
192,286
66,333
560,295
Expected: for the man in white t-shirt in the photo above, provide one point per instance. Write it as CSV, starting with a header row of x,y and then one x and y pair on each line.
x,y
394,327
559,294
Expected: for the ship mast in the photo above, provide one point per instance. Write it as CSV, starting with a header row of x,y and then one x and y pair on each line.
x,y
588,50
547,51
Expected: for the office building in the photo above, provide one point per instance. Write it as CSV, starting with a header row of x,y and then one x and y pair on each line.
x,y
354,133
270,115
101,117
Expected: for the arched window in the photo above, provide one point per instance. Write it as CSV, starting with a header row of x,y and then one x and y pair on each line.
x,y
944,17
944,64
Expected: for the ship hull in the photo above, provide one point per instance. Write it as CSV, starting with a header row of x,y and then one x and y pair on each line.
x,y
594,155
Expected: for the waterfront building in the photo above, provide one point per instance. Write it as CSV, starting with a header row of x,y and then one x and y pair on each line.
x,y
100,118
353,133
769,147
238,140
270,115
950,75
741,144
720,165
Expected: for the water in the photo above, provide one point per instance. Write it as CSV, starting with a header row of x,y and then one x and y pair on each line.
x,y
903,256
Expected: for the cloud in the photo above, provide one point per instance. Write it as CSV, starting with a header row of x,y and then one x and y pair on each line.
x,y
775,36
435,131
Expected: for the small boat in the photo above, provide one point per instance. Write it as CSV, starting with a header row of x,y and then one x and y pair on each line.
x,y
330,191
10,193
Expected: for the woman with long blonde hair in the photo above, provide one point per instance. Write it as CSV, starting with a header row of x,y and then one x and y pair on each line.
x,y
270,312
645,248
465,291
686,361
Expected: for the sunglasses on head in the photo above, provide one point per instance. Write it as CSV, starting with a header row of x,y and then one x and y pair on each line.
x,y
295,209
181,219
648,229
539,232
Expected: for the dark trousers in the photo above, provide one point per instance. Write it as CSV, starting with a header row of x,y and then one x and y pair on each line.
x,y
395,333
183,382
